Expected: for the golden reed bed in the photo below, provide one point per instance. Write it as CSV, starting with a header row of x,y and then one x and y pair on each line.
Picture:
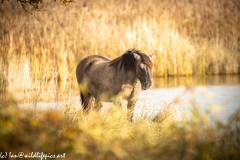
x,y
188,37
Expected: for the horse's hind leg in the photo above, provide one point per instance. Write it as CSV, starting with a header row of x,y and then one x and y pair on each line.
x,y
98,104
85,101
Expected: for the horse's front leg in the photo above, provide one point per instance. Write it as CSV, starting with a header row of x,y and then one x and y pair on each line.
x,y
130,107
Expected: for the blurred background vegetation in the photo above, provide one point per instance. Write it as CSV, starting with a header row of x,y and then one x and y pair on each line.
x,y
189,37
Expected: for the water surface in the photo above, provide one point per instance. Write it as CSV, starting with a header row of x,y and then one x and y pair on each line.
x,y
218,94
221,101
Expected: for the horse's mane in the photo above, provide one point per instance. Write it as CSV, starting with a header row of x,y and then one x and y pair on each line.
x,y
128,61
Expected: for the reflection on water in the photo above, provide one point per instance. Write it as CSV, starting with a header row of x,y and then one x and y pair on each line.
x,y
215,80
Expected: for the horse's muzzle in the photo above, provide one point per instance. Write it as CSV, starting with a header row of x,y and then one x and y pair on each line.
x,y
146,86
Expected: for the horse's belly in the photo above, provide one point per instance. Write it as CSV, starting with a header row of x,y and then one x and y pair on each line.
x,y
111,95
105,95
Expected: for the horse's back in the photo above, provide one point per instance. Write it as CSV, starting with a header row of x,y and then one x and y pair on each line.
x,y
87,63
98,75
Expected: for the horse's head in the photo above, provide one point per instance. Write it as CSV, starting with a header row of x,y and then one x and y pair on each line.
x,y
137,62
144,69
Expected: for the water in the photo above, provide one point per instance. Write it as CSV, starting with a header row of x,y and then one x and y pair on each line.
x,y
220,95
220,101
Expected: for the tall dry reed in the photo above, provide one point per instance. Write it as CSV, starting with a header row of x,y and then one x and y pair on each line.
x,y
188,37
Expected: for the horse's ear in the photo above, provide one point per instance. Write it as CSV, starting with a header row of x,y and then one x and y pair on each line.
x,y
137,57
152,56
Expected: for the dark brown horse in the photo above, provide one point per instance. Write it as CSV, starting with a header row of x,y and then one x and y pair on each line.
x,y
107,80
